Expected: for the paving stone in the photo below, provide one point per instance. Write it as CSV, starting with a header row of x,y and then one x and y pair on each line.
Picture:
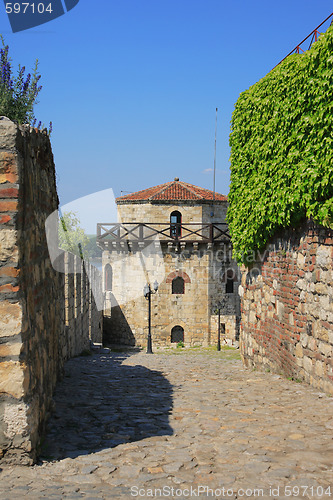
x,y
172,467
89,469
176,420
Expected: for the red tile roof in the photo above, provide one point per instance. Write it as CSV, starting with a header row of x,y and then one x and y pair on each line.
x,y
172,191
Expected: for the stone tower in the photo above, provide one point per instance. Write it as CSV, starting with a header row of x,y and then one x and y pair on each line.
x,y
175,235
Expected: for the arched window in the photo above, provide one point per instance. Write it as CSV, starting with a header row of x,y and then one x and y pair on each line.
x,y
177,334
178,285
175,224
108,278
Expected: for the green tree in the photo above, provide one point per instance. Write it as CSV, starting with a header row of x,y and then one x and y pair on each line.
x,y
72,237
93,250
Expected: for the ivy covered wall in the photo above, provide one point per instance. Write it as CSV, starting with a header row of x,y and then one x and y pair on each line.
x,y
282,150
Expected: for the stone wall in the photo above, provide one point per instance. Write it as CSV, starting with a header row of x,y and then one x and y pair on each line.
x,y
192,211
40,327
287,307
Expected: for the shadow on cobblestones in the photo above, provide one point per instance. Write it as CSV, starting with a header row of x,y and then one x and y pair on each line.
x,y
102,403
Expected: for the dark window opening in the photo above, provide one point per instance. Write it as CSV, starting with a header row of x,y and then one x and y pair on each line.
x,y
177,334
178,285
229,288
108,277
175,224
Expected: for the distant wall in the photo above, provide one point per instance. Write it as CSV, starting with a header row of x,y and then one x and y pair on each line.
x,y
82,319
287,307
45,316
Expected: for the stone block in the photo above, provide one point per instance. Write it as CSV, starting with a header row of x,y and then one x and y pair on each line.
x,y
11,379
321,288
301,284
10,318
299,351
8,244
304,339
312,344
280,310
300,261
323,256
325,349
325,302
10,349
15,419
308,365
8,133
319,368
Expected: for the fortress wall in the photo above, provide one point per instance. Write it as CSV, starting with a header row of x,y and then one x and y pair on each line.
x,y
287,307
128,323
126,308
40,324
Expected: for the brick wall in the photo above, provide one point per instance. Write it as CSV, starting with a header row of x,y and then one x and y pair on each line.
x,y
287,307
40,326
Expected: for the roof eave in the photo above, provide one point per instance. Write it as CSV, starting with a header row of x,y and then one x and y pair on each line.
x,y
119,201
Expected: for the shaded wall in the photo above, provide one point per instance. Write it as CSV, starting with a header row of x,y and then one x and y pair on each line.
x,y
287,307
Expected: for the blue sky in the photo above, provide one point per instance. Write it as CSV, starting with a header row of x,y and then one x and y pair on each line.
x,y
131,86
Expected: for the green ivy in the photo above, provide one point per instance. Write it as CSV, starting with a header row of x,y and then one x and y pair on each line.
x,y
282,150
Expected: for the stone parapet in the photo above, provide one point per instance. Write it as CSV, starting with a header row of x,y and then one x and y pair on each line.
x,y
40,325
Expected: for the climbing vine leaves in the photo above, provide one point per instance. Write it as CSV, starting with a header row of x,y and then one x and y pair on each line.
x,y
282,150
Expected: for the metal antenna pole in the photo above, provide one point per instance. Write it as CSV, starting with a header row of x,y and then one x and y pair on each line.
x,y
214,161
149,342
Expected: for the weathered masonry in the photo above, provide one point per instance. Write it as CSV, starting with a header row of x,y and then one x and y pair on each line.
x,y
45,316
287,307
175,234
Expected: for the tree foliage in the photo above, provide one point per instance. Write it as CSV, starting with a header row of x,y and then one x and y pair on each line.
x,y
282,150
72,237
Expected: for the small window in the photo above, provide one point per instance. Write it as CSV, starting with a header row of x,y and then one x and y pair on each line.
x,y
178,285
230,277
177,334
108,278
229,287
175,224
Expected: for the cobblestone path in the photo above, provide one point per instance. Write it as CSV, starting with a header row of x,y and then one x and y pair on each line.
x,y
179,426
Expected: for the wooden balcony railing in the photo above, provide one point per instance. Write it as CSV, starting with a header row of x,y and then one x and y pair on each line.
x,y
164,232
